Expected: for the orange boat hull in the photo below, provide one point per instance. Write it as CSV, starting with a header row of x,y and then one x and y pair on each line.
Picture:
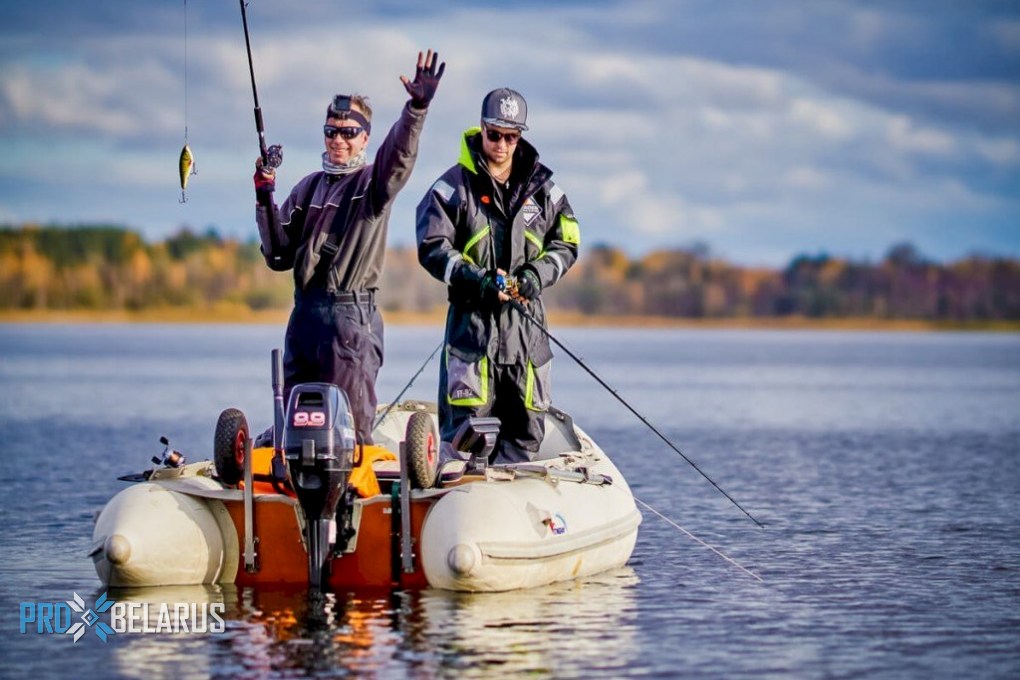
x,y
282,558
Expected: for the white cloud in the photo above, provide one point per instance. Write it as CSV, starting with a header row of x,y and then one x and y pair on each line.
x,y
825,119
72,96
730,86
1000,151
601,70
906,135
622,187
803,177
1007,34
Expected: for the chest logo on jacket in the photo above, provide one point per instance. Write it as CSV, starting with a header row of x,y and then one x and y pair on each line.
x,y
530,211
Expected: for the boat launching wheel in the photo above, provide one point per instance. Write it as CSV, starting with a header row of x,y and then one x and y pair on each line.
x,y
228,451
422,449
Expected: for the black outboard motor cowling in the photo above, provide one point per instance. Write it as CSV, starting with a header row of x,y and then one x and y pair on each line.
x,y
318,442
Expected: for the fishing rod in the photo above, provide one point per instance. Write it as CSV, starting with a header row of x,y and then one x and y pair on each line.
x,y
407,386
527,315
272,156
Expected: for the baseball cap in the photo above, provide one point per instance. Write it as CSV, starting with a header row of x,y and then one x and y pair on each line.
x,y
505,108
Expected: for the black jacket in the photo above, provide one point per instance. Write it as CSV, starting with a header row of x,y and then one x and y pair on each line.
x,y
466,227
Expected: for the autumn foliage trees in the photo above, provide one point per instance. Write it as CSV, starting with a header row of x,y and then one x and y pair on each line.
x,y
106,267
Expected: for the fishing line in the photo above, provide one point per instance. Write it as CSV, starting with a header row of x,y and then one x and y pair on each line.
x,y
185,71
407,386
186,162
710,547
527,315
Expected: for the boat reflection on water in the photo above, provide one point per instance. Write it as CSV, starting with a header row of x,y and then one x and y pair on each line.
x,y
590,624
584,624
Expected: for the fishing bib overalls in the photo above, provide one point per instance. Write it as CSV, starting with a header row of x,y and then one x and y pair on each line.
x,y
331,231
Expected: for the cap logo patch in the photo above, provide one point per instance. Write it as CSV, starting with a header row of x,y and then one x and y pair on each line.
x,y
508,107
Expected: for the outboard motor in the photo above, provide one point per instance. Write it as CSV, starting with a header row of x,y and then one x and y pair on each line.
x,y
319,441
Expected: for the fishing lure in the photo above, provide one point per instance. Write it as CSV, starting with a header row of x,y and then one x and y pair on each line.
x,y
187,168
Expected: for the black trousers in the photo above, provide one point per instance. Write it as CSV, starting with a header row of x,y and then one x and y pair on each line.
x,y
521,429
340,343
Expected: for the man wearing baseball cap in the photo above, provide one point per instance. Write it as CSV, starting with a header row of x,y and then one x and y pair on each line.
x,y
497,212
332,231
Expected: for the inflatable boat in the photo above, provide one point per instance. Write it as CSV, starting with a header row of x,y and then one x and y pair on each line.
x,y
312,508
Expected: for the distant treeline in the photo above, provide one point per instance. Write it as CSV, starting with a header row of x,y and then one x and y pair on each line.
x,y
99,267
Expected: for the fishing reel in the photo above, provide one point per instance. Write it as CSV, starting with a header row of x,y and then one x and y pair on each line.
x,y
508,284
169,457
274,156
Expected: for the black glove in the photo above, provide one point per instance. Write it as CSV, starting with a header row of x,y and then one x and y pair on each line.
x,y
528,284
489,289
426,79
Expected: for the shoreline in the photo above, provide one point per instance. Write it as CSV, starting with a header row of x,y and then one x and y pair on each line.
x,y
237,314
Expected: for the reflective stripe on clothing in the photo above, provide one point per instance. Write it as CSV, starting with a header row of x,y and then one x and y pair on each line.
x,y
451,263
536,241
537,387
473,241
444,189
555,193
558,261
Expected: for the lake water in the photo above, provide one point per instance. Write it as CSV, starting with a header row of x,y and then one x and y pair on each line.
x,y
885,466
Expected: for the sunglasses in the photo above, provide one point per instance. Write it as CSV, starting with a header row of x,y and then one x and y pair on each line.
x,y
495,135
349,132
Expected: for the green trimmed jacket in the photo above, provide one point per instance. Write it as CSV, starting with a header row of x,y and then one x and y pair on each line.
x,y
458,223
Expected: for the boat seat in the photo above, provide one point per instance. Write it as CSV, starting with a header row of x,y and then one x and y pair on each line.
x,y
559,435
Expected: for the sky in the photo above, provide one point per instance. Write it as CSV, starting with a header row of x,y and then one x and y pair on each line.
x,y
761,130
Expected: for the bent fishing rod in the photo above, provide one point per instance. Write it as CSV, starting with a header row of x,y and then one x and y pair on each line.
x,y
272,156
527,315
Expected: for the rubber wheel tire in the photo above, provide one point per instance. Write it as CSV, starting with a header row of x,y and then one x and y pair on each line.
x,y
228,451
421,444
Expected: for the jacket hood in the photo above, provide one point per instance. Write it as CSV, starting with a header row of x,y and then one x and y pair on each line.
x,y
471,156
